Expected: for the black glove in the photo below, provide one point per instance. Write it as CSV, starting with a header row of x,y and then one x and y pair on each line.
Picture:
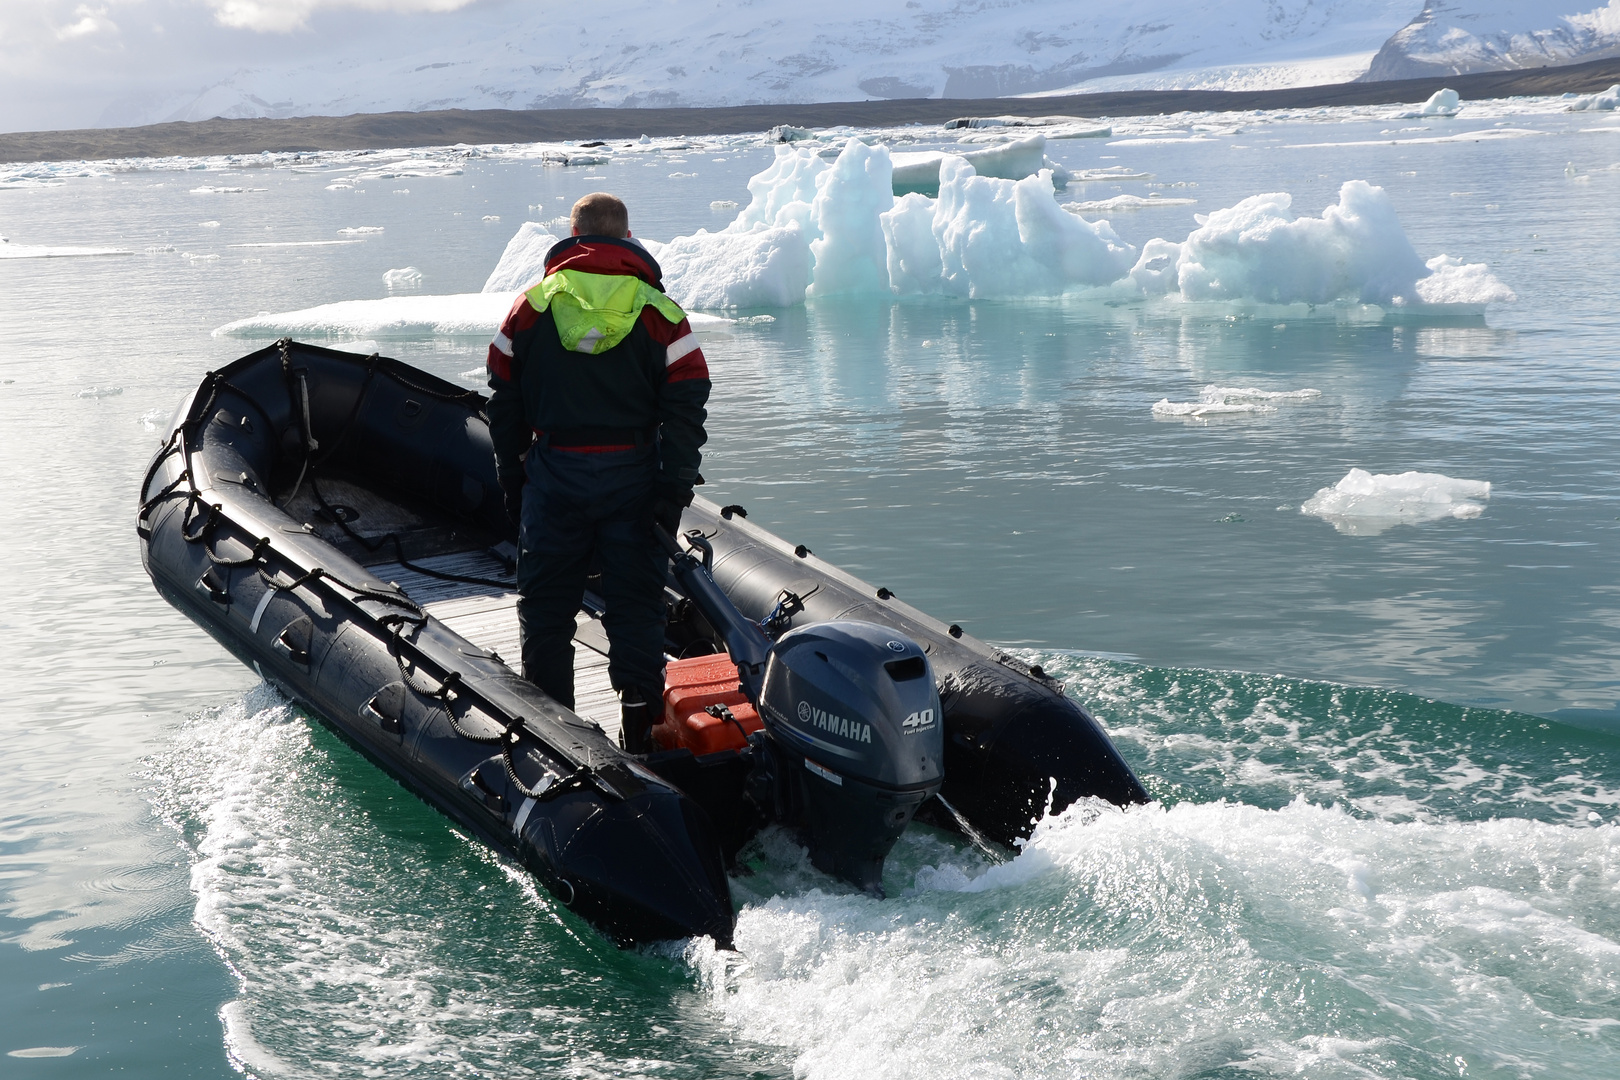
x,y
668,502
512,494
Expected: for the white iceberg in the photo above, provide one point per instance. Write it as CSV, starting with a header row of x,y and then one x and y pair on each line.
x,y
1366,504
1441,103
523,262
1607,101
920,171
1357,250
406,277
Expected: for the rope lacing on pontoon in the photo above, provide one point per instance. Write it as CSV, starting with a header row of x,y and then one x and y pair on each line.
x,y
410,617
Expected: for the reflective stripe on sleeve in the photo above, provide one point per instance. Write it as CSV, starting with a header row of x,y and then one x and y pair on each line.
x,y
678,349
502,342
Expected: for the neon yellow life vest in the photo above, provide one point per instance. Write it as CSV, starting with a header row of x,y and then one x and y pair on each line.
x,y
594,312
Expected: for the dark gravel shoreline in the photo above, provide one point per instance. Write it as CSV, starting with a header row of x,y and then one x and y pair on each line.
x,y
376,131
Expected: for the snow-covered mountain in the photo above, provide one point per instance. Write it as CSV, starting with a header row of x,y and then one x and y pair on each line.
x,y
1455,37
687,52
66,64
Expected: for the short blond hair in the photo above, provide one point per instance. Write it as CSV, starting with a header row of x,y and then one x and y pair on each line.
x,y
600,214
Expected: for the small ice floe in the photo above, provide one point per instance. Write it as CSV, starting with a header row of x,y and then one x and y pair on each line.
x,y
1200,410
99,392
1112,172
473,315
1124,202
1232,401
920,171
1366,504
364,230
207,224
406,277
1607,101
473,375
43,1052
8,250
723,204
492,218
1440,103
1053,127
683,175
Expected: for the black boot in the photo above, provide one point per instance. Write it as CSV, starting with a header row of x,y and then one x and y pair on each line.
x,y
636,721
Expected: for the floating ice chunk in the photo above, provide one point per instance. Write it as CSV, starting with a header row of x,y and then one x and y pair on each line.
x,y
1010,238
784,133
921,171
207,224
723,204
458,315
1258,249
406,277
1365,504
491,218
766,267
851,255
782,193
9,250
1441,103
915,262
1200,409
475,315
1249,393
361,230
1124,202
1112,172
1231,401
99,392
1607,101
523,263
1452,281
1054,127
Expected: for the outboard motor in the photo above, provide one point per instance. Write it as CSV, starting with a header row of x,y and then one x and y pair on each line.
x,y
854,736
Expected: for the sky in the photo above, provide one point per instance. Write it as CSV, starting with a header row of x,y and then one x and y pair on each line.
x,y
64,63
74,64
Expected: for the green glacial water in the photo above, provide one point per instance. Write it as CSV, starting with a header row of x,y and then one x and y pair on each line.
x,y
1385,763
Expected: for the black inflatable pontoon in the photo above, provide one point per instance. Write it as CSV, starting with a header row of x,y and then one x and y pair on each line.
x,y
334,521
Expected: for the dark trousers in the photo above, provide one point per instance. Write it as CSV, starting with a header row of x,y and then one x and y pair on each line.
x,y
582,510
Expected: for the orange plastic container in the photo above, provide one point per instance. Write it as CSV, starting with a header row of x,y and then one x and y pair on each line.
x,y
691,686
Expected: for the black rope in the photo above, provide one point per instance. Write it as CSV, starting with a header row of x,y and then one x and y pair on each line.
x,y
410,613
399,547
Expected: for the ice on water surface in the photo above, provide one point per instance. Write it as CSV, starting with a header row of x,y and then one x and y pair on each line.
x,y
1366,504
1232,401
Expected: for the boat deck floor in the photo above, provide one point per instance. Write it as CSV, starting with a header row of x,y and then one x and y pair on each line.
x,y
486,615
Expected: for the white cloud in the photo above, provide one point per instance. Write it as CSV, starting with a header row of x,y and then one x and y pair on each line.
x,y
90,21
284,16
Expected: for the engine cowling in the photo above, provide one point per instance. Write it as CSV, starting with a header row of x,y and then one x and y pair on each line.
x,y
853,723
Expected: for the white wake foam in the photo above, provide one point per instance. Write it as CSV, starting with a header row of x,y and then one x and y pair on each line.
x,y
1129,944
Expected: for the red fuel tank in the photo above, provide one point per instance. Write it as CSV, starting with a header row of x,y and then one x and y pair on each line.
x,y
705,709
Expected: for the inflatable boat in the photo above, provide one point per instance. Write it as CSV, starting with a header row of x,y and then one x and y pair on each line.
x,y
334,521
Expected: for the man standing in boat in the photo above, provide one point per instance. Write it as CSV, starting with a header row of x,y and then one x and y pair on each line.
x,y
597,413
